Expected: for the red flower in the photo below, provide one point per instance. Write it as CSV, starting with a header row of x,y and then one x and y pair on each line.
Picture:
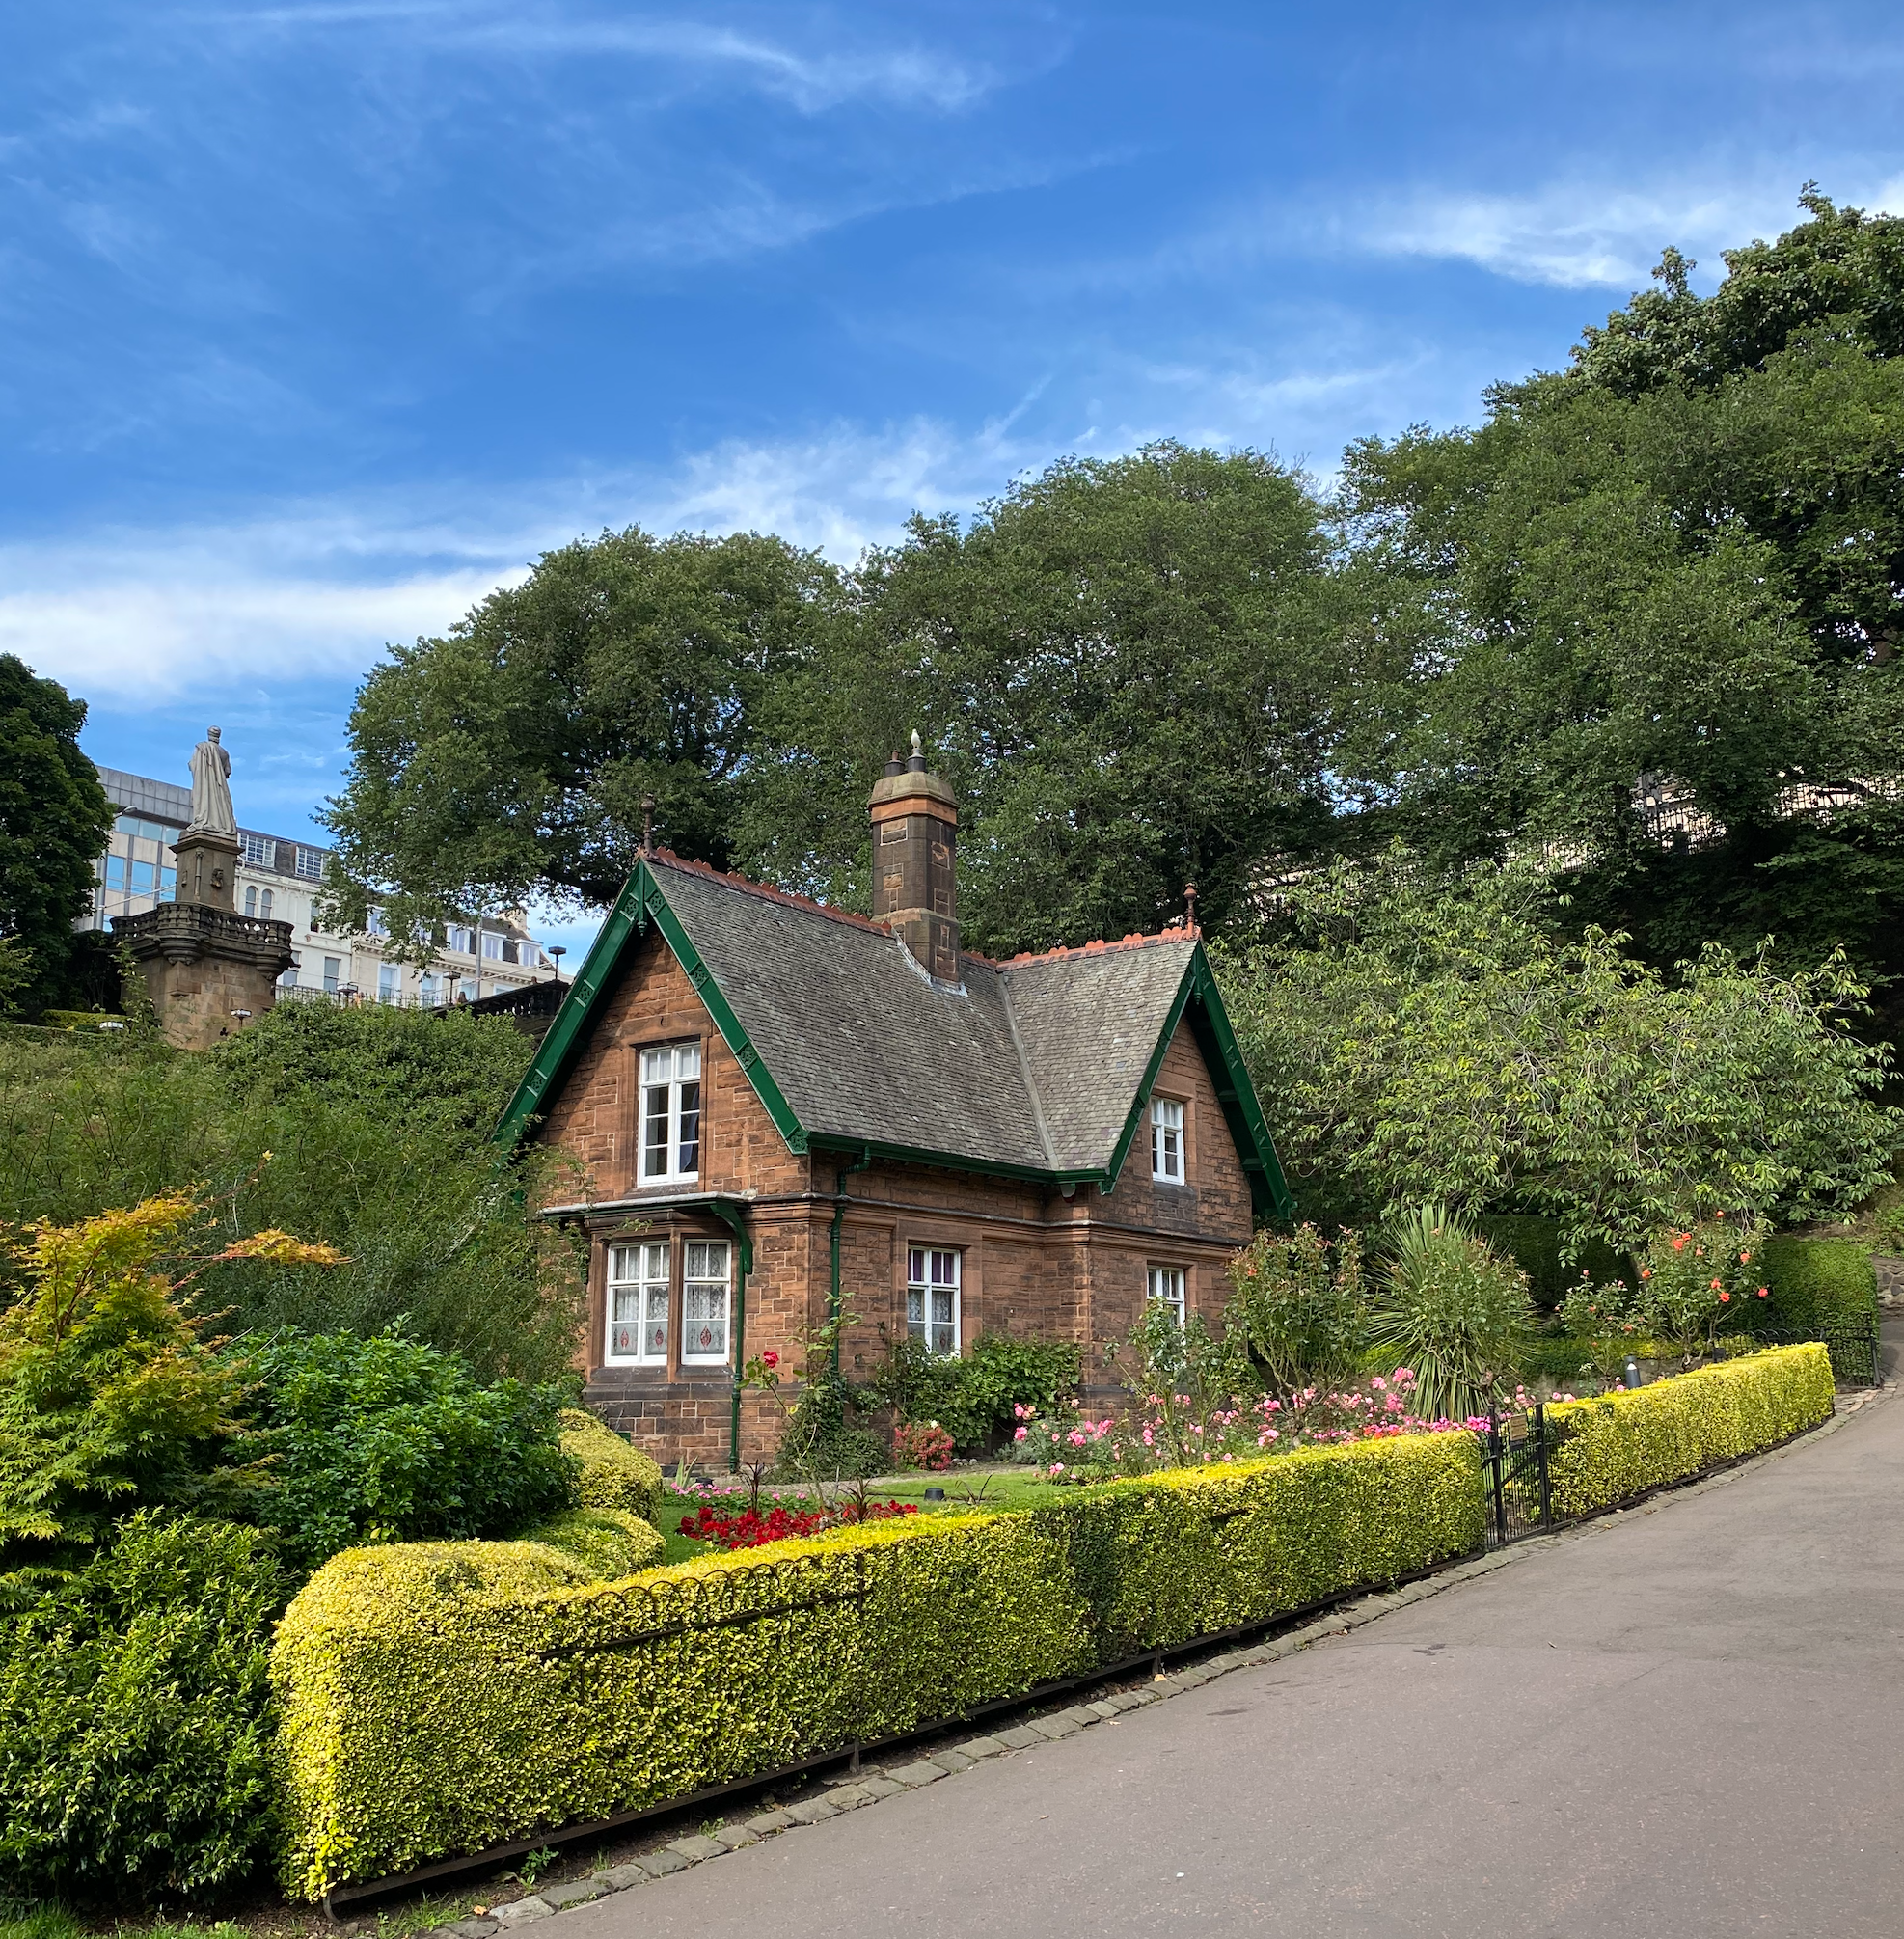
x,y
770,1359
1679,1244
1762,1291
1724,1298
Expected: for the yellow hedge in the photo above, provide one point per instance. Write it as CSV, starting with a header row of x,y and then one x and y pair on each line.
x,y
442,1704
1621,1444
613,1474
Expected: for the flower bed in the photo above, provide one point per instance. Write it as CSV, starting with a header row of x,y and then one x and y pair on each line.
x,y
782,1522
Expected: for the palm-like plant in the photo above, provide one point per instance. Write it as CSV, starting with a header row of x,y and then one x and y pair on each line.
x,y
1450,1309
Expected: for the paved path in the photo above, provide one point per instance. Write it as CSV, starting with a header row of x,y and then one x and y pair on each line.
x,y
1686,1720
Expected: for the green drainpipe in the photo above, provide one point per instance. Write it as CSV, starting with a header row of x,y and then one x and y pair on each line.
x,y
729,1213
860,1164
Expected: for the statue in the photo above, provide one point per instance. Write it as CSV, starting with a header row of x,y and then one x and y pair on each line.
x,y
211,789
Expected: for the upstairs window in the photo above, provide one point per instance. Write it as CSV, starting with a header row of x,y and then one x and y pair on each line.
x,y
1167,1140
932,1298
261,850
311,864
1165,1285
671,1113
704,1302
492,945
638,1304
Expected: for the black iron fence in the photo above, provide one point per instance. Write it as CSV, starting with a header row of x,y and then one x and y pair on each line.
x,y
1520,1494
1851,1340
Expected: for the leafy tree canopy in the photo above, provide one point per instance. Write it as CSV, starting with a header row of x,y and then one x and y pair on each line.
x,y
1674,569
54,820
1415,1041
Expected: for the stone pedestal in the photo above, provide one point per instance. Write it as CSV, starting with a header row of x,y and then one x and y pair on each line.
x,y
202,963
208,868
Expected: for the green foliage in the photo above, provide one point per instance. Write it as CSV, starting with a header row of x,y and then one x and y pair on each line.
x,y
377,1125
972,1395
110,1400
1299,1303
135,1750
610,1473
1624,1443
1452,1311
435,1704
1602,1329
607,1542
54,820
1414,1039
386,1439
1674,565
517,750
1819,1282
1539,1247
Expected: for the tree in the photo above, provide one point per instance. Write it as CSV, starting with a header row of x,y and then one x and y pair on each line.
x,y
1677,565
515,752
54,821
1125,667
1416,1039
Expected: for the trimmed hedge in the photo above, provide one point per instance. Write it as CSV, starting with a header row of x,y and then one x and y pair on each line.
x,y
1621,1444
1819,1282
442,1698
607,1542
613,1474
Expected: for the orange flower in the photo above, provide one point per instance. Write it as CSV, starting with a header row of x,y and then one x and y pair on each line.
x,y
1679,1244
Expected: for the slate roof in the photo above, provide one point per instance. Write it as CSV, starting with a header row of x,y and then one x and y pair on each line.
x,y
1034,1066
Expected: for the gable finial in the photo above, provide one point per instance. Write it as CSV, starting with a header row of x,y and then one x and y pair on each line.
x,y
1190,909
647,825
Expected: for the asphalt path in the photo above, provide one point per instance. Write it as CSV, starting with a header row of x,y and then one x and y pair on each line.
x,y
1685,1720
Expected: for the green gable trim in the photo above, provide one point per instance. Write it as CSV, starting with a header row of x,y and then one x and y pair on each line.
x,y
641,902
1209,1025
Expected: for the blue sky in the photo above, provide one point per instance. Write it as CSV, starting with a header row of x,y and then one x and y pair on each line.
x,y
320,320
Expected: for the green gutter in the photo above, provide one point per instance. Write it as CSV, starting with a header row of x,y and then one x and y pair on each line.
x,y
729,1213
840,1176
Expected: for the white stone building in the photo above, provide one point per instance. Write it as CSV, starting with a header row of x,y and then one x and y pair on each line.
x,y
278,876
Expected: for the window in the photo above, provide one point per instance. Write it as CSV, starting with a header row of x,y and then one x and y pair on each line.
x,y
389,983
311,862
260,850
638,1304
932,1298
427,989
671,1111
251,901
1167,1140
1167,1288
704,1301
467,988
169,884
332,965
492,945
144,831
145,877
115,871
265,905
459,939
288,980
373,922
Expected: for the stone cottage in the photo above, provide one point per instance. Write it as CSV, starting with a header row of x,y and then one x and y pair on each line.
x,y
779,1107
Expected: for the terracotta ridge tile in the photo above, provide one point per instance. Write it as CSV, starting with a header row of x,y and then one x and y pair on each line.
x,y
766,890
1134,941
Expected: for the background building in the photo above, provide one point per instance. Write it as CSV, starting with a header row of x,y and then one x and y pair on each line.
x,y
277,878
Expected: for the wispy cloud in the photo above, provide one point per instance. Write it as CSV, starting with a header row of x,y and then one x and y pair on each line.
x,y
1585,234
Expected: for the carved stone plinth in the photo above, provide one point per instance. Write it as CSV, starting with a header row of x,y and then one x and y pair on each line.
x,y
208,868
202,964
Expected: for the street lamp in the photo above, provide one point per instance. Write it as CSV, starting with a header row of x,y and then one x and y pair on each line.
x,y
558,951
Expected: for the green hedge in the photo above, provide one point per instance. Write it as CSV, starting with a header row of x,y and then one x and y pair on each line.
x,y
613,1474
1536,1246
442,1698
1819,1282
1621,1444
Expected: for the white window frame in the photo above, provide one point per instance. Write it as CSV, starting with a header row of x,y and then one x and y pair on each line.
x,y
260,851
1168,1286
251,900
334,974
925,1267
1167,1141
265,905
643,1269
670,1070
389,983
310,863
699,1277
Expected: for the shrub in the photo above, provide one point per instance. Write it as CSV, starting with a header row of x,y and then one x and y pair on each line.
x,y
1602,1329
1697,1279
973,1395
1624,1443
1819,1282
386,1439
109,1400
923,1444
1298,1303
1539,1247
135,1755
607,1542
1452,1311
431,1708
611,1473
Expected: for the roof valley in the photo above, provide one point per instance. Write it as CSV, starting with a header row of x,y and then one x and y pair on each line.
x,y
1031,1089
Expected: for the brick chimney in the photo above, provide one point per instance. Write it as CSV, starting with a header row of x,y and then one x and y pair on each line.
x,y
915,824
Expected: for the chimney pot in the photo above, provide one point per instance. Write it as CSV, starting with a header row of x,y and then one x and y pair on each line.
x,y
918,764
